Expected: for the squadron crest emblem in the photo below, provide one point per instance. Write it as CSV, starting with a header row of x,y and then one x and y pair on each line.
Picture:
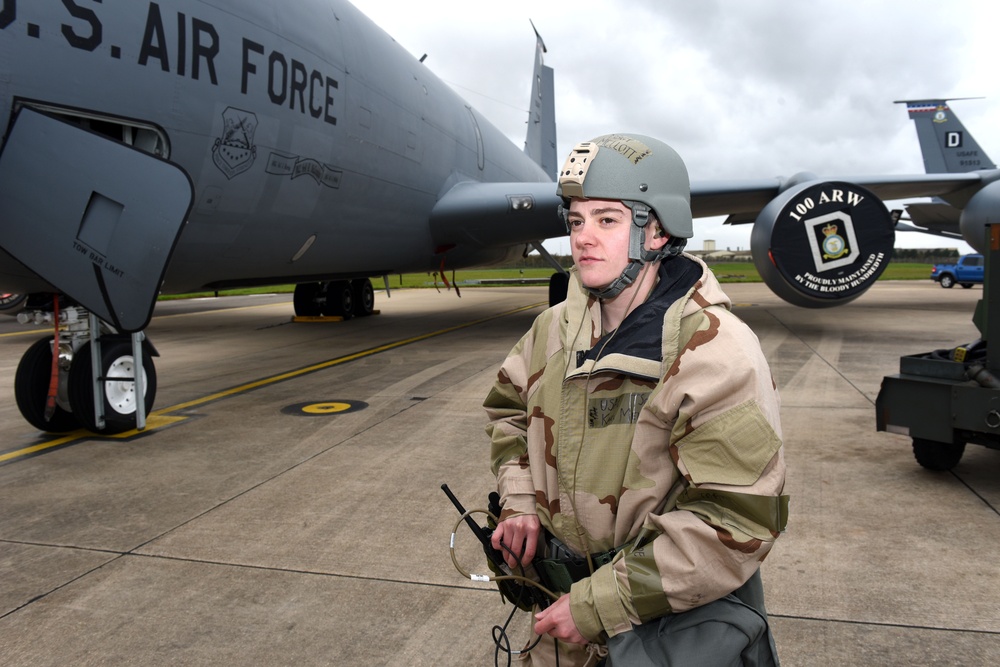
x,y
834,246
234,152
833,240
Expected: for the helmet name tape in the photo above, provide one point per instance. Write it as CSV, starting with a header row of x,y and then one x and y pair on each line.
x,y
574,172
630,148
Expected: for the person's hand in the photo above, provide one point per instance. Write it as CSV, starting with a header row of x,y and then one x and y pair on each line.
x,y
557,621
520,533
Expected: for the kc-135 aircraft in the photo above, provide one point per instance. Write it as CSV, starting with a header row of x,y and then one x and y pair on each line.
x,y
204,144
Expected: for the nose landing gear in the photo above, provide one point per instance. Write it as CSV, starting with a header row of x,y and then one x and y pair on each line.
x,y
98,390
113,381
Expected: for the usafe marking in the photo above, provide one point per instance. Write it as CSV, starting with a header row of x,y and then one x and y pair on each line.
x,y
188,46
163,417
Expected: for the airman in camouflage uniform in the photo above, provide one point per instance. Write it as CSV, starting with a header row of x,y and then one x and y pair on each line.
x,y
649,426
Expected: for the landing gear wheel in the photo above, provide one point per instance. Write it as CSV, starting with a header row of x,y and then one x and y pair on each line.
x,y
937,456
12,304
31,390
339,299
119,395
364,297
558,287
308,299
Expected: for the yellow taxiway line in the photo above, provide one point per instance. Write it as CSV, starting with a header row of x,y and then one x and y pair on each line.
x,y
162,418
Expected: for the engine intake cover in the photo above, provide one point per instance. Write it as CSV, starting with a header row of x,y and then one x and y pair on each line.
x,y
822,244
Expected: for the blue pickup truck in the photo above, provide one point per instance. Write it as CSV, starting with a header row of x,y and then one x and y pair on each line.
x,y
968,271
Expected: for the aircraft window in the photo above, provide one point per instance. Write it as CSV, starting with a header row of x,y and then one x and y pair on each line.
x,y
145,137
365,117
479,139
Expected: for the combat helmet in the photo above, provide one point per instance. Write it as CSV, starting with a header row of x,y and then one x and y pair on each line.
x,y
643,173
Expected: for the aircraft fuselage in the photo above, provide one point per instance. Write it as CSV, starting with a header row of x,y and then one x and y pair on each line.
x,y
318,147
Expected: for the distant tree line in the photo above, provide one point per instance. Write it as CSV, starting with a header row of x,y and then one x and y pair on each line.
x,y
921,255
925,255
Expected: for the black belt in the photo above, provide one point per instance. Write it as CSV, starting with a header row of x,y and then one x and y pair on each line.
x,y
561,572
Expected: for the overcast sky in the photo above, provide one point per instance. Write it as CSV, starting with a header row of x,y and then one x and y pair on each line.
x,y
740,89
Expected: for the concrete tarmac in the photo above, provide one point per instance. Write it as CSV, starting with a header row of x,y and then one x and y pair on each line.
x,y
243,529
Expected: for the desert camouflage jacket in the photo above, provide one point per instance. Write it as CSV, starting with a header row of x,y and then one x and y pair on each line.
x,y
663,437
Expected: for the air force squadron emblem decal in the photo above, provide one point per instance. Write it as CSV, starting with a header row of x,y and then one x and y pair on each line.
x,y
234,152
834,246
832,240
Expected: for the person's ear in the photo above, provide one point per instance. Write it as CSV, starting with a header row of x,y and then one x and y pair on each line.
x,y
659,237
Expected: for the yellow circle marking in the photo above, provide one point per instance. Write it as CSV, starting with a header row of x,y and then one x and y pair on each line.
x,y
326,408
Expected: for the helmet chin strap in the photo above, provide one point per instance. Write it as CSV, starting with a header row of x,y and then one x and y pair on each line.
x,y
626,278
637,254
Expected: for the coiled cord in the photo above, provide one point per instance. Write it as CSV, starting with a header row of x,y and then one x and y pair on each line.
x,y
500,638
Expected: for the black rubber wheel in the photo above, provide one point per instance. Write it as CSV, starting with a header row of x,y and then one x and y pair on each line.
x,y
31,390
119,395
12,304
308,299
947,281
339,300
558,287
937,456
364,297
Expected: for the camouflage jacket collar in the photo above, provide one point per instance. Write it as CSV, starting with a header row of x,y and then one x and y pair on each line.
x,y
640,335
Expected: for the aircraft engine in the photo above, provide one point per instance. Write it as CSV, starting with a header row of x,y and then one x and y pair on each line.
x,y
822,244
983,209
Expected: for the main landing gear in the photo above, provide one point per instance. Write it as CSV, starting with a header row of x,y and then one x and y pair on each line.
x,y
338,298
92,383
558,281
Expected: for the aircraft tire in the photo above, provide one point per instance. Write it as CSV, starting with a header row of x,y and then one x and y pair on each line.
x,y
339,300
12,304
937,456
947,281
308,300
119,396
364,297
31,390
558,287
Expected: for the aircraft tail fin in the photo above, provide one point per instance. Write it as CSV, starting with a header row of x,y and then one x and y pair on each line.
x,y
947,147
540,144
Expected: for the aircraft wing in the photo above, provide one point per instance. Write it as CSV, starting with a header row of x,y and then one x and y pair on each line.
x,y
934,218
822,242
743,200
951,187
486,214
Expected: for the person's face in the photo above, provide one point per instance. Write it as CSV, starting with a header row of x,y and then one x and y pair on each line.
x,y
599,237
599,234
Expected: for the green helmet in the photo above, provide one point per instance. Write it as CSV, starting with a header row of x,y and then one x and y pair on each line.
x,y
643,173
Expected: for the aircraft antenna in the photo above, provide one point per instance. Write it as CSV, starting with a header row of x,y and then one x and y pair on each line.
x,y
540,40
